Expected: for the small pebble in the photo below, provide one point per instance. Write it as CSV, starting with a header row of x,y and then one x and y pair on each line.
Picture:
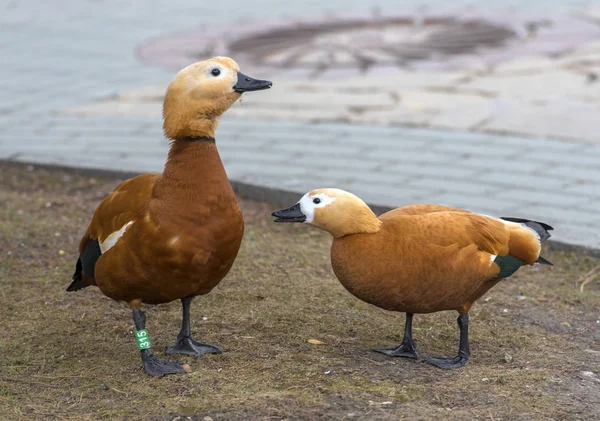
x,y
48,204
505,310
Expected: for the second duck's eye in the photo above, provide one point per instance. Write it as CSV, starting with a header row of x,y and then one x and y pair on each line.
x,y
316,201
216,72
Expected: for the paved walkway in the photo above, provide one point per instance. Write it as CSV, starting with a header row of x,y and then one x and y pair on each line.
x,y
60,63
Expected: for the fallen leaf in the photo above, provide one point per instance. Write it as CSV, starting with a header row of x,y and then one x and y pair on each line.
x,y
315,342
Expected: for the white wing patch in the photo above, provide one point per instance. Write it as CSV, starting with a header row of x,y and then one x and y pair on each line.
x,y
112,239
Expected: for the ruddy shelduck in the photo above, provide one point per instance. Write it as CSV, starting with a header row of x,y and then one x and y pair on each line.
x,y
172,236
419,258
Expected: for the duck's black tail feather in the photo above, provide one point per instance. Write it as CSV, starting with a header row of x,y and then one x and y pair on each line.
x,y
539,227
84,270
543,261
78,282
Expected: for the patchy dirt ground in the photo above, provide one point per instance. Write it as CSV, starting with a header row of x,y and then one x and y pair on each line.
x,y
534,338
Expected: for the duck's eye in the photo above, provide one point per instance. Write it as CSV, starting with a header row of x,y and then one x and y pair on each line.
x,y
216,72
316,201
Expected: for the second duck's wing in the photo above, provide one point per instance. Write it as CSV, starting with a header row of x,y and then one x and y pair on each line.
x,y
422,210
490,235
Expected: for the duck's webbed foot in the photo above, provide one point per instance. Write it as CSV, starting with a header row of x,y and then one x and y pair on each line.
x,y
185,344
448,363
407,348
189,346
461,359
157,367
152,365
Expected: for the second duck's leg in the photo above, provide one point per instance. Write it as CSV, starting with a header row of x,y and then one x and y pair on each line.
x,y
185,344
407,348
463,348
152,365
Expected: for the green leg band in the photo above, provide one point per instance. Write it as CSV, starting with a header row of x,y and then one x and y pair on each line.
x,y
143,340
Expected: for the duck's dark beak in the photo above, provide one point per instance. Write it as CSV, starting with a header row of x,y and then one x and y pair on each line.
x,y
293,214
247,84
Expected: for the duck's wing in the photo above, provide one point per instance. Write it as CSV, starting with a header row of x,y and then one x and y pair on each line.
x,y
494,236
126,203
114,214
421,210
465,229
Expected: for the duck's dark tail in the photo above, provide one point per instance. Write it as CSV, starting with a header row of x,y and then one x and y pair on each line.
x,y
540,228
84,269
78,282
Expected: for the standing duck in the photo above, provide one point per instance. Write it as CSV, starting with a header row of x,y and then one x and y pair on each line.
x,y
172,236
419,258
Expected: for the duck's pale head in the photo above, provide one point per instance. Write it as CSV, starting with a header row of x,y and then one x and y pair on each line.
x,y
201,92
333,210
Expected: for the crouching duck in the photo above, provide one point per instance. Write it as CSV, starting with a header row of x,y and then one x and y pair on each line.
x,y
172,236
419,258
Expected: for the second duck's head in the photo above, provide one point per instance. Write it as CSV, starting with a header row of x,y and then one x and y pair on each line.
x,y
336,211
201,92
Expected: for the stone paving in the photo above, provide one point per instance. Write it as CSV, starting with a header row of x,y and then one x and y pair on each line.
x,y
74,94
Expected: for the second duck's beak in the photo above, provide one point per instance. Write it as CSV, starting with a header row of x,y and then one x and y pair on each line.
x,y
293,214
247,84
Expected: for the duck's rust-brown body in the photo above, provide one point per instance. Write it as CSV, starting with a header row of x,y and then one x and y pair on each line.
x,y
419,258
162,237
185,234
421,264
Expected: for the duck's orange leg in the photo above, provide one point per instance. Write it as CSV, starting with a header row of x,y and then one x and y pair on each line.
x,y
152,365
185,344
407,348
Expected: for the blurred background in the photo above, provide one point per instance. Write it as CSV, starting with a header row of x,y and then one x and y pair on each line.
x,y
489,105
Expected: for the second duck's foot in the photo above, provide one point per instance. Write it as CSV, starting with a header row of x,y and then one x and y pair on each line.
x,y
449,363
406,350
189,346
157,367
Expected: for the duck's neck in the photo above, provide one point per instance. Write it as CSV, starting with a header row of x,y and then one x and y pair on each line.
x,y
193,171
362,221
177,126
